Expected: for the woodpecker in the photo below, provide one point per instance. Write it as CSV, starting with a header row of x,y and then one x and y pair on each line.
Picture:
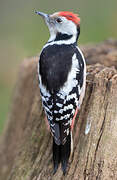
x,y
62,80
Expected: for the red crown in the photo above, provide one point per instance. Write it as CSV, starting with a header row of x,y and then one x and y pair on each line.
x,y
70,16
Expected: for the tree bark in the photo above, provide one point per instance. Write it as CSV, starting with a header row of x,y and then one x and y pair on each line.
x,y
26,145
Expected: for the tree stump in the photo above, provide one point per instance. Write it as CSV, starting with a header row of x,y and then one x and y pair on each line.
x,y
26,145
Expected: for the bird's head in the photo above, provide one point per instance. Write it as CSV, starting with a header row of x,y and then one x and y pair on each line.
x,y
62,25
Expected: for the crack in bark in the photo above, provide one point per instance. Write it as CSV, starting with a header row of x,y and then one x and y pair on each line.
x,y
85,169
100,166
101,130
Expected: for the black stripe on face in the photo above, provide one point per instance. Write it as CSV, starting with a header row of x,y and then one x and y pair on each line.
x,y
61,36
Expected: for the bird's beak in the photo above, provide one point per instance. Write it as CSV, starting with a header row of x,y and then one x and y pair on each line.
x,y
45,16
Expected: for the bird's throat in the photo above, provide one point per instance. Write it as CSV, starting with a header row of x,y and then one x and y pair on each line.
x,y
61,36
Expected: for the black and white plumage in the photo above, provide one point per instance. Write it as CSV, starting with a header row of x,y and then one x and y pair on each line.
x,y
62,76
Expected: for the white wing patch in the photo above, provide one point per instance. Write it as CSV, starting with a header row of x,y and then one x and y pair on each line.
x,y
71,80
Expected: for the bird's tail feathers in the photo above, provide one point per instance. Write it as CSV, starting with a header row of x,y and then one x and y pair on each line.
x,y
61,154
56,156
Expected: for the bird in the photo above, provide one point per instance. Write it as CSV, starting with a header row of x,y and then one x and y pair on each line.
x,y
62,81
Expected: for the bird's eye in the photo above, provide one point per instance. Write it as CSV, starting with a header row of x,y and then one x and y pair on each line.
x,y
59,20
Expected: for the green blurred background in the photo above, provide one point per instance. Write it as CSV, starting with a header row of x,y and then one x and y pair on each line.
x,y
22,34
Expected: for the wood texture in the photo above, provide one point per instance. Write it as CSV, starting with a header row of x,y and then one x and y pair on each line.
x,y
26,145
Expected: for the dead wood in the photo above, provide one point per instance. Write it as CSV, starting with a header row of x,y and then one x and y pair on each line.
x,y
26,145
